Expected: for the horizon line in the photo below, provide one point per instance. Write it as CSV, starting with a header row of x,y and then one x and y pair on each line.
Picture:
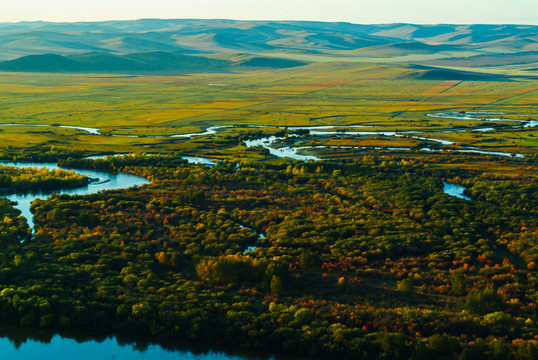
x,y
262,20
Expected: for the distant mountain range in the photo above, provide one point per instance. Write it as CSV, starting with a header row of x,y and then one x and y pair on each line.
x,y
157,45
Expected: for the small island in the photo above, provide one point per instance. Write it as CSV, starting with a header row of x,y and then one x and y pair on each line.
x,y
13,179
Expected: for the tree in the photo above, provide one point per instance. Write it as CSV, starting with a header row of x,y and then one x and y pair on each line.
x,y
310,261
483,301
276,285
406,285
459,284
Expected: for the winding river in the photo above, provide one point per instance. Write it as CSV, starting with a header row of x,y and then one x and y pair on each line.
x,y
486,116
103,181
99,181
294,152
268,142
108,181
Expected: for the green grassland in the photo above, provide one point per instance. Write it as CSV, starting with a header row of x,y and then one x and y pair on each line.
x,y
383,97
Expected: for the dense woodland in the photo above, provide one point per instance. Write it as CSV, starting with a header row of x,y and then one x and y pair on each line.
x,y
366,259
13,227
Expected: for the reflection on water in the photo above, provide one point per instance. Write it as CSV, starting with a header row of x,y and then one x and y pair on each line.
x,y
20,343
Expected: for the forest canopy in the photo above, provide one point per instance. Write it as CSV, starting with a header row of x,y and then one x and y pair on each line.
x,y
366,258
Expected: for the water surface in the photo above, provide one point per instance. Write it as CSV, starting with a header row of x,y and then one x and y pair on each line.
x,y
21,343
455,190
67,349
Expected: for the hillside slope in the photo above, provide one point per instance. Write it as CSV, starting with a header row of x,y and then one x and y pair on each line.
x,y
194,36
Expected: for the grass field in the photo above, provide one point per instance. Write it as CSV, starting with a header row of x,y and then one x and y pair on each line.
x,y
381,96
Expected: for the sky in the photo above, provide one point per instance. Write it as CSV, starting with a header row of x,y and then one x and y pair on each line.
x,y
355,11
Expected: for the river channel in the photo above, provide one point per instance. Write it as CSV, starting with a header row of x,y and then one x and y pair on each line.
x,y
102,181
271,142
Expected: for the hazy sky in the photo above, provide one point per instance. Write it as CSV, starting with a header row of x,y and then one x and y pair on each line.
x,y
356,11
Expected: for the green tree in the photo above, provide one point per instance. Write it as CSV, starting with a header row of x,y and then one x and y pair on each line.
x,y
459,284
483,301
406,285
276,285
310,261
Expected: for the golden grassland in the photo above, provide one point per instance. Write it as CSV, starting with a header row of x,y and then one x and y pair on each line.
x,y
380,96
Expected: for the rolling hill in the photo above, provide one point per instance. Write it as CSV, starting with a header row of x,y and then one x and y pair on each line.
x,y
431,73
290,43
95,62
142,63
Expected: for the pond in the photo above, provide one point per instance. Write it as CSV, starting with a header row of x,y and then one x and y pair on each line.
x,y
454,190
